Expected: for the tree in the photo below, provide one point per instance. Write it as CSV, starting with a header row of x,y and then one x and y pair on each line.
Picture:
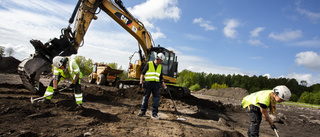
x,y
303,83
84,65
195,87
1,51
9,51
113,65
305,97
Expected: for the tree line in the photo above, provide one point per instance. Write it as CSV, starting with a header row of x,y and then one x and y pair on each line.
x,y
199,80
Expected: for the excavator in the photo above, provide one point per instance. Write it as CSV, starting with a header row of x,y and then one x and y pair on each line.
x,y
70,40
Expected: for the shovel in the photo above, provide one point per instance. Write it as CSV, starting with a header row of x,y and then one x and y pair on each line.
x,y
40,98
175,106
275,130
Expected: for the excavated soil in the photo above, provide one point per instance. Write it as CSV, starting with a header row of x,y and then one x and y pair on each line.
x,y
109,111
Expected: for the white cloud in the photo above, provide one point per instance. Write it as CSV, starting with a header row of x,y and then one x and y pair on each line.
x,y
307,77
156,9
308,43
158,34
204,23
186,48
195,37
198,64
312,15
287,35
256,31
254,42
20,51
229,30
308,59
267,75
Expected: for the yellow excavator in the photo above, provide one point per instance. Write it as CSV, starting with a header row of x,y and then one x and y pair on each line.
x,y
70,40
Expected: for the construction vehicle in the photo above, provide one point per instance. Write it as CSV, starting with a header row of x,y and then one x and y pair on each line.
x,y
69,42
104,75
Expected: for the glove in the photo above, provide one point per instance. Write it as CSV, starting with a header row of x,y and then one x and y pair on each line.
x,y
273,127
166,88
71,86
56,91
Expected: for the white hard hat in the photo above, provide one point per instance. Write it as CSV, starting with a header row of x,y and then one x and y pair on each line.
x,y
161,56
58,61
283,92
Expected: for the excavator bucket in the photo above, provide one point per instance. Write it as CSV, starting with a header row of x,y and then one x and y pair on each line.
x,y
30,70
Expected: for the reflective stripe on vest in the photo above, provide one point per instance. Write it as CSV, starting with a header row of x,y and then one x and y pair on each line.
x,y
152,74
257,97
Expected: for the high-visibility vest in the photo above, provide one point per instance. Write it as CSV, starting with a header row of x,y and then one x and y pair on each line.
x,y
152,74
257,97
73,69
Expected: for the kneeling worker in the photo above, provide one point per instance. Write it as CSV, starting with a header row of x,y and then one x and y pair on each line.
x,y
256,105
65,67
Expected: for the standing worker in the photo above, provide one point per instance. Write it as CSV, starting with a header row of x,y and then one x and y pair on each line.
x,y
256,105
65,67
152,72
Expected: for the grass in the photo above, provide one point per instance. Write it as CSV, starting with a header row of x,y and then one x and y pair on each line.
x,y
306,105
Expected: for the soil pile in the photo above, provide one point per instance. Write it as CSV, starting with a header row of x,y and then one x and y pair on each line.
x,y
9,65
233,93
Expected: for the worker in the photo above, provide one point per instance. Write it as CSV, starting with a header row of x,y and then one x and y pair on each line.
x,y
65,67
256,105
152,72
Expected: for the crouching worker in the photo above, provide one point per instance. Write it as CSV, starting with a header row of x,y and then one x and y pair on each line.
x,y
256,105
65,67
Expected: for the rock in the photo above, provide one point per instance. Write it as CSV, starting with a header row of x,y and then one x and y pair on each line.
x,y
222,121
315,121
87,134
281,116
273,118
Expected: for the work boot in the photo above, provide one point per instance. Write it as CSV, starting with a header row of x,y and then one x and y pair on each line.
x,y
141,114
79,107
155,116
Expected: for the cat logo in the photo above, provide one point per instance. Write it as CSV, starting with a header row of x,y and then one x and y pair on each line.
x,y
124,18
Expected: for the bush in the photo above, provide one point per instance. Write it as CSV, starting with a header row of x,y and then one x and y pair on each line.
x,y
195,87
218,86
305,97
311,98
294,98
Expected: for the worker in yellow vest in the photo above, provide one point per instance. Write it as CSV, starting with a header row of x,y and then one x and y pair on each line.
x,y
256,105
152,73
65,67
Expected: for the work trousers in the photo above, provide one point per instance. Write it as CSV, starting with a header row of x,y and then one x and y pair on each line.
x,y
151,87
77,90
255,116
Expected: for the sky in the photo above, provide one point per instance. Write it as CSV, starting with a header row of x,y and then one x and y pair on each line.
x,y
273,38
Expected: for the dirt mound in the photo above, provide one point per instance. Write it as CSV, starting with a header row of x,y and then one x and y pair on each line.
x,y
233,93
9,65
95,93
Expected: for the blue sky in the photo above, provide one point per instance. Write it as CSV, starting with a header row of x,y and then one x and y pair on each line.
x,y
275,38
